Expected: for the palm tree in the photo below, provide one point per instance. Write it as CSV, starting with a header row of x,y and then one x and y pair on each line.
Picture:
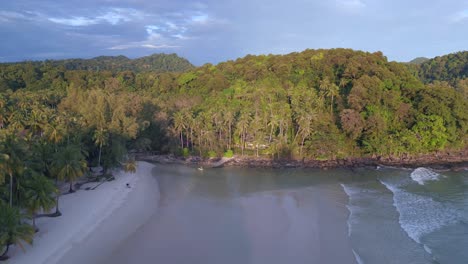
x,y
242,126
12,230
54,131
228,120
14,153
39,194
330,90
37,122
69,164
305,121
100,139
179,126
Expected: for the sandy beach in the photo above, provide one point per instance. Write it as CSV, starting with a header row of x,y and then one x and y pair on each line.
x,y
93,222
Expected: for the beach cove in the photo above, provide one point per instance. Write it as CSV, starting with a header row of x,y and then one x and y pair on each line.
x,y
179,214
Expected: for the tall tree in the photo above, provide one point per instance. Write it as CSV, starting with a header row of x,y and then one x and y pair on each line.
x,y
40,194
12,230
100,139
69,164
14,153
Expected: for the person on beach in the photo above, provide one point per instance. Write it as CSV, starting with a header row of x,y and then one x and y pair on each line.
x,y
128,185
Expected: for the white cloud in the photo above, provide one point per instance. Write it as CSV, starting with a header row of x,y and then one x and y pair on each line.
x,y
459,16
200,18
179,36
75,21
142,45
350,4
111,16
163,46
9,15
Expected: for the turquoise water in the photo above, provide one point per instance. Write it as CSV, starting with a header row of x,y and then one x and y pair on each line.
x,y
244,215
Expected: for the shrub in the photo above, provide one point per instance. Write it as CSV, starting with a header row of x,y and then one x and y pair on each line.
x,y
211,154
185,152
229,153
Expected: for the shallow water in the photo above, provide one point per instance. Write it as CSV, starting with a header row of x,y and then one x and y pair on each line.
x,y
409,216
240,215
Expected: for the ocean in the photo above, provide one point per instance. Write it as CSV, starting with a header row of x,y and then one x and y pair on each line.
x,y
408,215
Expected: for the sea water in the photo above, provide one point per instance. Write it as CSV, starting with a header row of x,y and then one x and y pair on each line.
x,y
245,215
409,215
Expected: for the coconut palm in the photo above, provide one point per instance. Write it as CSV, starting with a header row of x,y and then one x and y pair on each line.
x,y
14,153
69,164
305,121
179,126
55,131
12,230
330,90
39,194
100,138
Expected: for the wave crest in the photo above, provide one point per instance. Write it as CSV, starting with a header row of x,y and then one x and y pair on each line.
x,y
423,175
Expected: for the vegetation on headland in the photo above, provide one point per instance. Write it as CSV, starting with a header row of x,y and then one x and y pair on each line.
x,y
58,118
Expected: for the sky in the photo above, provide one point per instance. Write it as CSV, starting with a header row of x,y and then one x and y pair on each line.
x,y
212,31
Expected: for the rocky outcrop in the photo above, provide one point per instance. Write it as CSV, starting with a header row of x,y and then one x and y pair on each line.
x,y
440,160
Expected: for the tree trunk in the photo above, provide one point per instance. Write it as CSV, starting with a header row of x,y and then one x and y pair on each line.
x,y
11,190
302,146
181,140
229,142
331,106
4,254
34,223
100,151
57,211
243,143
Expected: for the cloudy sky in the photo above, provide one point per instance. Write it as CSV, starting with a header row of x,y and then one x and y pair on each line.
x,y
216,30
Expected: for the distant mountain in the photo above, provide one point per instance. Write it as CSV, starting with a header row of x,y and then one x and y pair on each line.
x,y
156,62
418,60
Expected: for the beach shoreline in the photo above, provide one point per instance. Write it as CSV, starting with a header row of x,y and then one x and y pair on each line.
x,y
92,221
456,160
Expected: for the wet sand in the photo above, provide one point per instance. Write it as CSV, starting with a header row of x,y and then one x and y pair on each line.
x,y
203,217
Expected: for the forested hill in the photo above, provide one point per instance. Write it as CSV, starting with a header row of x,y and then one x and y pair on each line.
x,y
316,104
451,68
418,60
156,63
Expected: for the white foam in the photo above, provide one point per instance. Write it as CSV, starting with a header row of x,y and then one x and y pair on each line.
x,y
353,209
428,250
422,175
348,192
358,258
420,215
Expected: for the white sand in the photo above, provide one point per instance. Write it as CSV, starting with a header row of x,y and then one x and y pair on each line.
x,y
93,222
